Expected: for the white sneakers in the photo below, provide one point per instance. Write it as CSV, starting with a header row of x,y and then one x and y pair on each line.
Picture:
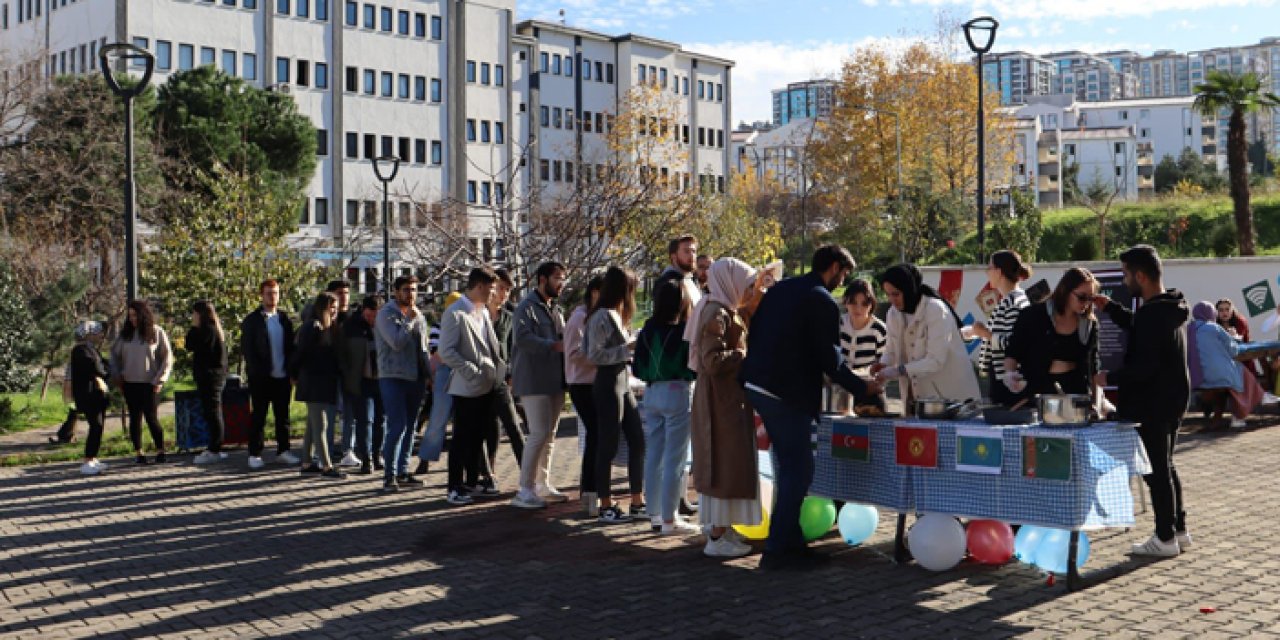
x,y
725,547
682,527
1155,547
208,457
1237,423
551,494
287,457
1183,538
255,462
349,460
528,500
92,468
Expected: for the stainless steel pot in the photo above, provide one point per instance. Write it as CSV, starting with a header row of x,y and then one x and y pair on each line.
x,y
1064,408
933,408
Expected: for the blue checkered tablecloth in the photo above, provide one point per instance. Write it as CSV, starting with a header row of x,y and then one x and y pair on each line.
x,y
1104,457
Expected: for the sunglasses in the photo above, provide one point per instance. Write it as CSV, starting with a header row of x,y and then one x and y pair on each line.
x,y
1083,297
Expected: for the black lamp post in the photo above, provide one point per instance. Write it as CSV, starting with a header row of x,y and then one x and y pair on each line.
x,y
981,34
128,53
386,168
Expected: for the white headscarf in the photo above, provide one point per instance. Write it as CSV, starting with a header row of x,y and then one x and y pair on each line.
x,y
728,280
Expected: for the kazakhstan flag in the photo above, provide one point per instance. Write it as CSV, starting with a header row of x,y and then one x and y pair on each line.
x,y
979,450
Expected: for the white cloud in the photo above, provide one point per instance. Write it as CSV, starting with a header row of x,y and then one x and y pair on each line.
x,y
611,15
1085,10
763,66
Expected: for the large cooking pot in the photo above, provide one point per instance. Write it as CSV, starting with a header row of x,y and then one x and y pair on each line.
x,y
1065,408
942,409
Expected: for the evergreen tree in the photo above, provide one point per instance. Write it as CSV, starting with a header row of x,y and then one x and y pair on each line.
x,y
16,348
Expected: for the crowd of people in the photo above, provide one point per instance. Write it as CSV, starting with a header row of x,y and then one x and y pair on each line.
x,y
714,353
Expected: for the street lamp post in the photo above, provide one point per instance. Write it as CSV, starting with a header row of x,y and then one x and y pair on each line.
x,y
981,34
385,168
128,53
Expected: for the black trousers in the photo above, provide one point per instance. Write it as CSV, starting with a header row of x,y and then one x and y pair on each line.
x,y
471,416
68,429
140,398
95,413
269,393
505,415
1159,438
617,416
209,389
584,403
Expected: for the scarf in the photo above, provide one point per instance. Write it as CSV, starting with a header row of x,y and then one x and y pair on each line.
x,y
727,279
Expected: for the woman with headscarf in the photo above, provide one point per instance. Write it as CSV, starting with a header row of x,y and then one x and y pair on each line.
x,y
723,431
88,379
1211,359
924,346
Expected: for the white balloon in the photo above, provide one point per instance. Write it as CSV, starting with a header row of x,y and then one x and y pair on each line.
x,y
937,541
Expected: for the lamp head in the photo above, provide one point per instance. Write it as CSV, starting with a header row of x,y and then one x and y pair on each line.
x,y
128,52
386,167
981,34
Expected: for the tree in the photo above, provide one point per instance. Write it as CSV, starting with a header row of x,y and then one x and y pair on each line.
x,y
731,225
15,335
1098,195
54,312
1239,94
1167,174
1020,229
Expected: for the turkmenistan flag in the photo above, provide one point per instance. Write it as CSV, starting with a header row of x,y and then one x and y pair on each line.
x,y
1046,457
979,450
916,446
851,441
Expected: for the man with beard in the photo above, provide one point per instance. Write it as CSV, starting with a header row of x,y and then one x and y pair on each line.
x,y
700,272
683,252
537,377
793,341
1154,388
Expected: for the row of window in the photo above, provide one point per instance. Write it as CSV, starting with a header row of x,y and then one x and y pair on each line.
x,y
651,74
388,20
76,59
388,85
303,77
562,171
561,65
557,118
412,151
229,59
497,78
488,193
499,135
299,8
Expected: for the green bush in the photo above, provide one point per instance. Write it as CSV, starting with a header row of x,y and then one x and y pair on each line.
x,y
1086,249
1223,239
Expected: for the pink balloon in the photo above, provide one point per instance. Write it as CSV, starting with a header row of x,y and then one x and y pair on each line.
x,y
990,541
762,438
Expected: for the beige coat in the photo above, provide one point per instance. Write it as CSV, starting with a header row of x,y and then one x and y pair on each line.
x,y
930,346
722,424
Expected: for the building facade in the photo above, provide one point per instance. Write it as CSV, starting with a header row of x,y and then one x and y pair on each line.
x,y
1018,76
803,100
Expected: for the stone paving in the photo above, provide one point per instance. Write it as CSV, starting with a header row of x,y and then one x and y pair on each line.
x,y
182,551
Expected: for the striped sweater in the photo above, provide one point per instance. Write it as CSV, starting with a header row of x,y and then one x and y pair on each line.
x,y
863,347
1002,320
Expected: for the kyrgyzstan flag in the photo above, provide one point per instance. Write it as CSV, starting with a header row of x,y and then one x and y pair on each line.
x,y
916,446
851,441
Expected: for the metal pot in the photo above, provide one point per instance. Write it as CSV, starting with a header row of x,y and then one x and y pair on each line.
x,y
1064,408
934,408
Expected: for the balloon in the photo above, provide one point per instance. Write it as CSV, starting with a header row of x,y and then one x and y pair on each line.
x,y
816,517
990,541
1051,554
936,541
755,531
762,438
1025,543
857,522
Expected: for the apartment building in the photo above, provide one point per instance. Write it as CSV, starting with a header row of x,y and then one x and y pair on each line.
x,y
803,100
1018,76
1091,78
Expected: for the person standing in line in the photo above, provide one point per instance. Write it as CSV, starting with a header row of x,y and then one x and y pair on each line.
x,y
700,272
609,346
403,376
862,334
88,376
1154,388
537,376
501,313
441,412
208,347
141,360
662,362
470,347
266,342
682,253
724,443
793,343
361,401
315,368
338,424
1004,272
580,374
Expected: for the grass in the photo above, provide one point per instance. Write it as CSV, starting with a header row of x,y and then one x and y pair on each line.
x,y
30,412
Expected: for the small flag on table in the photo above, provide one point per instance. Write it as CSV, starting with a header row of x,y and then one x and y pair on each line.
x,y
851,441
916,446
979,450
1046,457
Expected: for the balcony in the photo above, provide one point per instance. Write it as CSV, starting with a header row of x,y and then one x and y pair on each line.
x,y
1047,155
1146,182
1047,183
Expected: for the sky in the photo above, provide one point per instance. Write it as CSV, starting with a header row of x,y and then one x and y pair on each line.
x,y
775,42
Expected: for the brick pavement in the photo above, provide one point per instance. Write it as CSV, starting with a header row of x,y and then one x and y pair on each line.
x,y
184,551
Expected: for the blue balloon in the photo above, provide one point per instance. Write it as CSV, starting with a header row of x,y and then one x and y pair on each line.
x,y
1025,543
857,522
1051,554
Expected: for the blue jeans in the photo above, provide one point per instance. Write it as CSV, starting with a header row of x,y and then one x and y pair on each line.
x,y
666,435
401,400
337,415
362,415
789,432
441,410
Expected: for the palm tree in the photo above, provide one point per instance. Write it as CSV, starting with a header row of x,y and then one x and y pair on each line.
x,y
1241,93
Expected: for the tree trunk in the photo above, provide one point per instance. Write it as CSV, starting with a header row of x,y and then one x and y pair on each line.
x,y
1238,168
1102,237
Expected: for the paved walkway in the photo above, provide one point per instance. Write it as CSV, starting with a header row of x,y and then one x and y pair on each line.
x,y
180,551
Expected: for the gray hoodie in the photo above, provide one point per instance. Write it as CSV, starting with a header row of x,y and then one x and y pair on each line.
x,y
401,343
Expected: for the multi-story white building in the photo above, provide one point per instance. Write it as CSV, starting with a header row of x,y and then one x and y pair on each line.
x,y
1090,78
1018,76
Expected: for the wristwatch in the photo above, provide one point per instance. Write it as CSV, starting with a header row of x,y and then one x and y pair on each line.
x,y
902,371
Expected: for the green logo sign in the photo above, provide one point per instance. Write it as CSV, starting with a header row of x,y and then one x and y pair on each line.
x,y
1258,297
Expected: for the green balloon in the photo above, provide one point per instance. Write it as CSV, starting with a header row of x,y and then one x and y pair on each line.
x,y
817,515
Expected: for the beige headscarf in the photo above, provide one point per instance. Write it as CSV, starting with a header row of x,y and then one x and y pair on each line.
x,y
728,279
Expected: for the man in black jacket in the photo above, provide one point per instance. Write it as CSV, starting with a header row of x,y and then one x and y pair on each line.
x,y
1154,388
266,340
794,341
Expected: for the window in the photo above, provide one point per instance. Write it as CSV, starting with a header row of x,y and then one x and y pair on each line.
x,y
471,191
435,90
685,84
720,138
556,118
322,11
544,116
568,119
322,204
282,7
304,9
1119,172
420,88
640,74
586,69
499,133
353,213
471,130
556,170
599,122
586,121
720,96
702,136
351,13
370,213
282,69
386,84
141,43
499,76
437,152
370,17
370,146
702,90
164,54
436,28
544,169
662,77
608,73
322,75
352,147
385,13
471,71
420,151
206,55
404,150
419,25
499,193
402,23
484,131
568,67
404,214
305,216
555,65
544,63
186,56
599,71
304,74
229,62
353,82
322,142
1119,147
250,66
388,145
484,73
402,87
486,191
